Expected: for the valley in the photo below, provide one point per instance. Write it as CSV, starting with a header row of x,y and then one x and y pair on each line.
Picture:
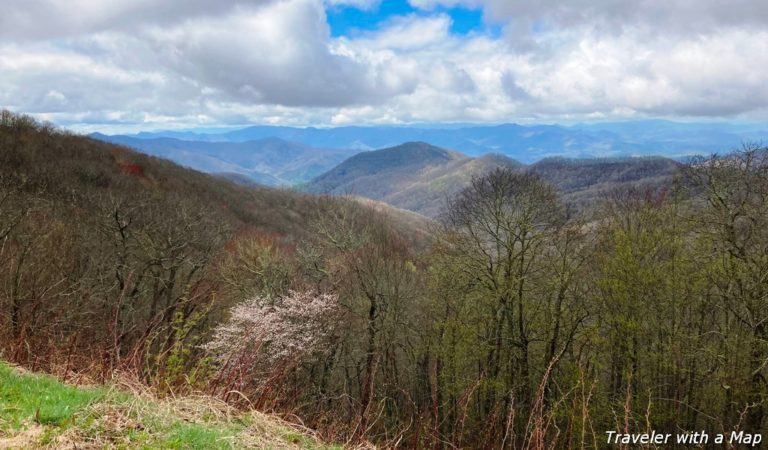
x,y
414,176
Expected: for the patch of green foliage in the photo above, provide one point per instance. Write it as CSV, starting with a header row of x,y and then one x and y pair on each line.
x,y
122,420
42,398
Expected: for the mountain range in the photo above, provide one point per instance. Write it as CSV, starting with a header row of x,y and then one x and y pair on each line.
x,y
420,177
525,143
269,161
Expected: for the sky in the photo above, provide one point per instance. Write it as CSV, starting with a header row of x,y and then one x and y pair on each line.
x,y
128,65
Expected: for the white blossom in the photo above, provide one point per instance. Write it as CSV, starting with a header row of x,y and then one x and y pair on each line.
x,y
262,333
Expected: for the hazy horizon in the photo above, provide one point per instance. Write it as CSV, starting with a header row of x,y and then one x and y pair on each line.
x,y
131,131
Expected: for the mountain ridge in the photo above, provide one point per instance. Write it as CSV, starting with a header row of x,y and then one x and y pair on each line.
x,y
424,181
526,143
415,176
271,161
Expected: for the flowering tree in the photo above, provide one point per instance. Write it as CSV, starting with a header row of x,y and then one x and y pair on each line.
x,y
264,336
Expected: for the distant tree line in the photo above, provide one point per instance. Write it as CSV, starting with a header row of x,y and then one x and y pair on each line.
x,y
519,322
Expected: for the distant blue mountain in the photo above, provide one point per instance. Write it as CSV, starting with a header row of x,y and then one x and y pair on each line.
x,y
269,161
522,142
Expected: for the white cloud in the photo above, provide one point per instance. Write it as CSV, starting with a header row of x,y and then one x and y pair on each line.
x,y
277,54
432,4
667,16
46,19
139,64
410,32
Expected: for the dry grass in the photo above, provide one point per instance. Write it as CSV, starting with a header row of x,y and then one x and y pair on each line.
x,y
26,438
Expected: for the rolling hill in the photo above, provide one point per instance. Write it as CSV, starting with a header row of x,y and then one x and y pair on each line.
x,y
269,161
79,182
420,177
414,176
525,143
582,182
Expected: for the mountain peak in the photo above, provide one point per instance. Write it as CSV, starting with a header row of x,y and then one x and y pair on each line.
x,y
414,153
414,175
410,156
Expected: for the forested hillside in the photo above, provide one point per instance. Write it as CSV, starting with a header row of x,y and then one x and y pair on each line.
x,y
414,176
513,322
269,161
422,178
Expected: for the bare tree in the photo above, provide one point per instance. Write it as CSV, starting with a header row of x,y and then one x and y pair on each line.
x,y
734,221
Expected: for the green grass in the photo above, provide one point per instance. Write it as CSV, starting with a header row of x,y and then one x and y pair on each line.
x,y
38,411
42,398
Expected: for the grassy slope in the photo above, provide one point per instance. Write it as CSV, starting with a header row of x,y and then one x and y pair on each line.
x,y
40,412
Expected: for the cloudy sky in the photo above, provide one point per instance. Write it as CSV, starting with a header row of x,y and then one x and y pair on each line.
x,y
120,65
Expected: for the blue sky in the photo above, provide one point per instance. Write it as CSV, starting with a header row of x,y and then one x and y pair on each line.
x,y
128,65
346,20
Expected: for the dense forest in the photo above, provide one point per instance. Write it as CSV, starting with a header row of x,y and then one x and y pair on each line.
x,y
515,321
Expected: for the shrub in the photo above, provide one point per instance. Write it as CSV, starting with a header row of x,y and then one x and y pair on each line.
x,y
265,336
